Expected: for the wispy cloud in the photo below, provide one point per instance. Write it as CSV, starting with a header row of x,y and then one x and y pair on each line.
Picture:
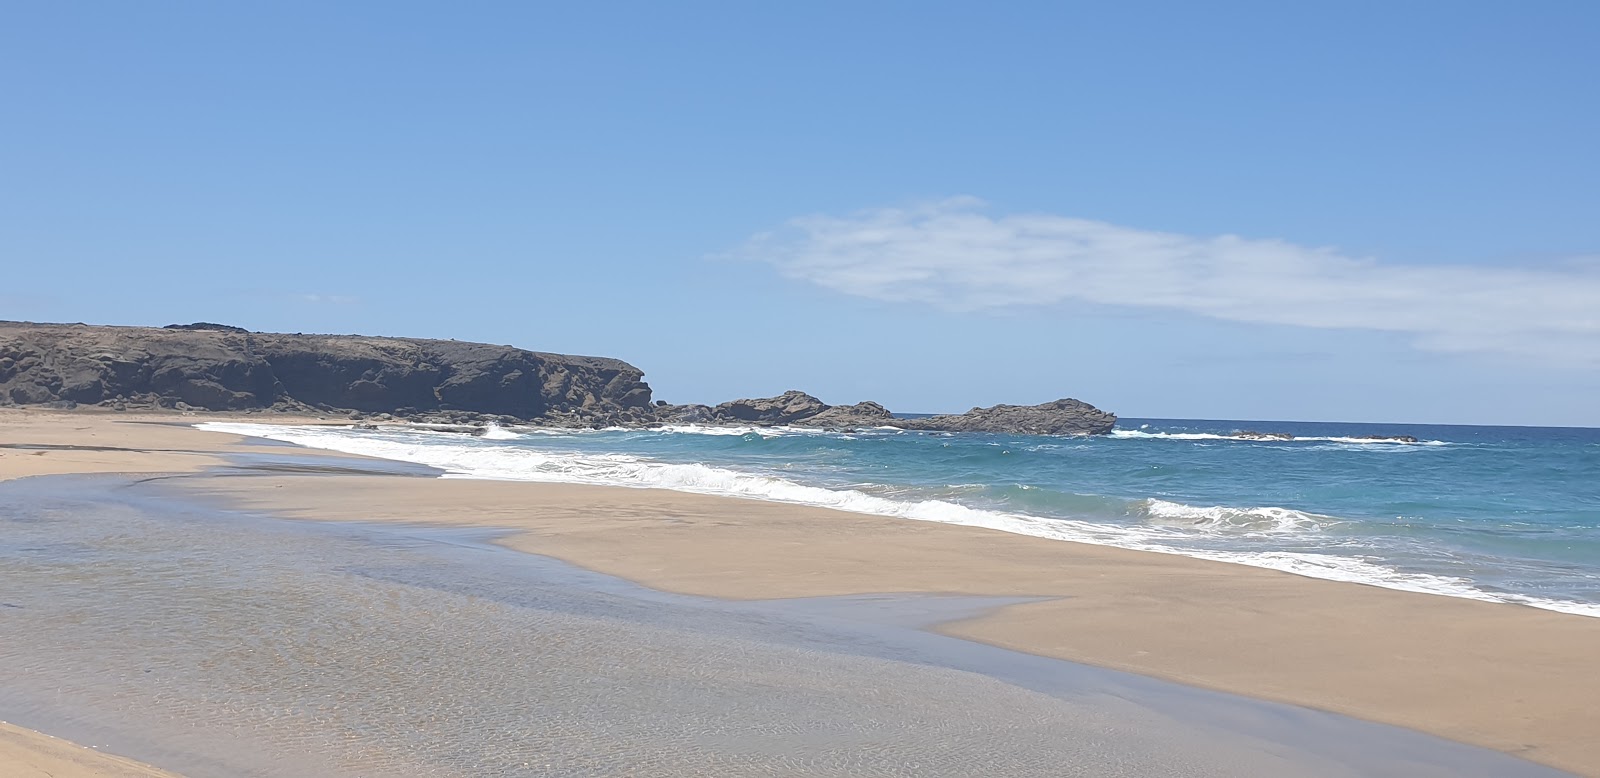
x,y
953,254
327,299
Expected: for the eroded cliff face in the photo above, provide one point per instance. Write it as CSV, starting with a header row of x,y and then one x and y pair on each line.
x,y
224,368
219,368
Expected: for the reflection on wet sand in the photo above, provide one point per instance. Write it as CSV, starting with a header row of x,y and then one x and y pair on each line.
x,y
212,642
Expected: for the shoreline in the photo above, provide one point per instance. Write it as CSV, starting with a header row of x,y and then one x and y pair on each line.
x,y
457,461
1511,678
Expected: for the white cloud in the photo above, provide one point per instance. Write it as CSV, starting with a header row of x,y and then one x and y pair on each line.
x,y
328,299
951,254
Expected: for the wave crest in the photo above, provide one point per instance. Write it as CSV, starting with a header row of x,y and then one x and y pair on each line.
x,y
474,458
1142,435
497,432
1220,518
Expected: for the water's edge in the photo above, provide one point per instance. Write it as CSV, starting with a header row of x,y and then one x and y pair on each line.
x,y
463,457
892,628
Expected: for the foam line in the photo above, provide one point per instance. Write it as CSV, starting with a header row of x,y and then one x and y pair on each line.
x,y
472,458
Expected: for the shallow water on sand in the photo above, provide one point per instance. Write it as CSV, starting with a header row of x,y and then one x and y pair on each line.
x,y
222,643
1502,514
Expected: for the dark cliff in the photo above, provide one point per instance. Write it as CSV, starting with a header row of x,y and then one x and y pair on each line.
x,y
213,367
220,368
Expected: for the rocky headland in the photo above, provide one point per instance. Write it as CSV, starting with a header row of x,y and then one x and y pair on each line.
x,y
214,367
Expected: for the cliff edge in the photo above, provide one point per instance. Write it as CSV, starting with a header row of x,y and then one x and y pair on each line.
x,y
213,367
216,367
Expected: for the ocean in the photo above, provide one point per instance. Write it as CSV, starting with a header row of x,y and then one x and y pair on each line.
x,y
1502,514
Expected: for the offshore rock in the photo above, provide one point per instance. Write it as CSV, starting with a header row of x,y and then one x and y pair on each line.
x,y
1253,435
692,413
1061,417
785,408
864,414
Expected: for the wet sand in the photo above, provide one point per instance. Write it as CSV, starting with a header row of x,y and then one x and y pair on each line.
x,y
225,642
1506,677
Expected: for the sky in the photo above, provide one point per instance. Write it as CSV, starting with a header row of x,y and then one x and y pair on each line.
x,y
1239,210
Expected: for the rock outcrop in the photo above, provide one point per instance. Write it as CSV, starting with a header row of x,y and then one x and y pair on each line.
x,y
1253,435
865,414
788,407
443,383
214,367
1061,417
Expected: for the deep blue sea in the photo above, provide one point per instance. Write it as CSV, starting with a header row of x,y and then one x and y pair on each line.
x,y
1508,514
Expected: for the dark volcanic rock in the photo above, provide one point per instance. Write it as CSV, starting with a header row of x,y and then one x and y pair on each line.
x,y
1253,435
205,325
1062,417
783,409
443,383
864,414
684,414
214,367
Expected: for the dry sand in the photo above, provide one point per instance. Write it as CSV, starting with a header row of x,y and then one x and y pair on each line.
x,y
1506,677
28,754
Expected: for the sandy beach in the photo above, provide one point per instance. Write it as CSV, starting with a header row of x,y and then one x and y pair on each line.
x,y
1510,678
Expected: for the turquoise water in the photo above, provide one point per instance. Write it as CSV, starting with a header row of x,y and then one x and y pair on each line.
x,y
1507,514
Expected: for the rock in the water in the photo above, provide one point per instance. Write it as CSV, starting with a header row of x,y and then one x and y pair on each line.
x,y
684,414
783,409
863,414
1061,417
1253,435
1387,438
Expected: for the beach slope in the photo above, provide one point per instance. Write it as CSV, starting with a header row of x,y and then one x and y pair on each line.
x,y
1511,678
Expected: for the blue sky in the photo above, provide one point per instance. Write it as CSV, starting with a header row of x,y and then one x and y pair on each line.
x,y
1361,211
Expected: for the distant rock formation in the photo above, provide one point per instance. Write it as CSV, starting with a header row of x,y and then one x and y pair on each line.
x,y
788,407
1061,417
445,383
1253,435
213,367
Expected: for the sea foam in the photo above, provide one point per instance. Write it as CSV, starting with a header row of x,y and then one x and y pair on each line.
x,y
1166,524
1223,518
1142,435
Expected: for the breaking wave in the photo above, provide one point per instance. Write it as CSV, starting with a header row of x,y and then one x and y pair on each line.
x,y
1142,435
1164,526
1219,518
